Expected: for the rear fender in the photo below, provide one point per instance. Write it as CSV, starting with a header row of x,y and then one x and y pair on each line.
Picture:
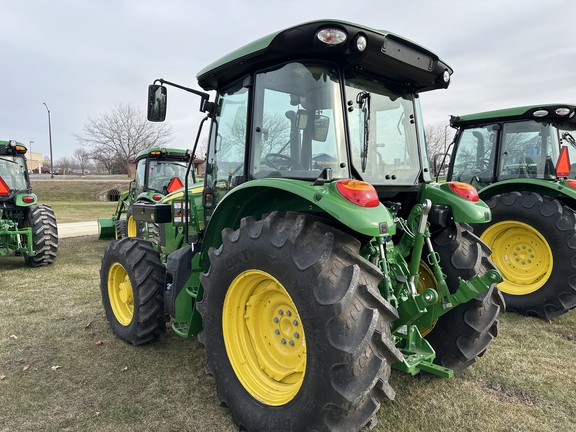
x,y
463,210
268,195
561,189
18,199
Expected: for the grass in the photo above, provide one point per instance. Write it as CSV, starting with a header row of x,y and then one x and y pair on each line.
x,y
76,201
64,370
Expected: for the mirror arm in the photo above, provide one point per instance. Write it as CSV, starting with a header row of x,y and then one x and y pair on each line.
x,y
205,105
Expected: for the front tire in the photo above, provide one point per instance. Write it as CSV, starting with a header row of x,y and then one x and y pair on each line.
x,y
462,335
131,282
296,332
533,242
41,219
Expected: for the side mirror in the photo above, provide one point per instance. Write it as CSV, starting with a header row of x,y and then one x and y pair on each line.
x,y
157,98
321,125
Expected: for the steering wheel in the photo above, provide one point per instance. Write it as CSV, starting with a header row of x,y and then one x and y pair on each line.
x,y
283,158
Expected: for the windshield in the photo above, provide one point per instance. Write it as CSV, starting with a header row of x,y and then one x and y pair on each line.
x,y
161,172
297,112
383,132
12,171
529,149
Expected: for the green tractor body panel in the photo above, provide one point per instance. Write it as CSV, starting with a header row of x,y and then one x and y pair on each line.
x,y
26,227
523,162
317,236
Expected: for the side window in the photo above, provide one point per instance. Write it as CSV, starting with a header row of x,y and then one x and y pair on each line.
x,y
140,173
225,165
475,156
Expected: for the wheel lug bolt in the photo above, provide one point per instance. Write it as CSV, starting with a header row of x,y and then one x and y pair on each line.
x,y
283,341
277,331
523,262
276,319
295,322
291,343
523,247
288,313
515,253
517,259
280,312
296,335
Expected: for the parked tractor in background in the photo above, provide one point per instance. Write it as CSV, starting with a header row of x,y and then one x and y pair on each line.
x,y
519,160
319,253
26,227
159,171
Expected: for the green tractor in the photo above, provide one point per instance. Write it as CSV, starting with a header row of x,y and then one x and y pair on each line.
x,y
26,227
159,171
519,160
319,254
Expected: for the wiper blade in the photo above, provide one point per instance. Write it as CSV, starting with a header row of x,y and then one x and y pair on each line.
x,y
363,101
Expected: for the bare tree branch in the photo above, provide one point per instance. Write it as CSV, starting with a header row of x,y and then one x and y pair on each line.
x,y
116,138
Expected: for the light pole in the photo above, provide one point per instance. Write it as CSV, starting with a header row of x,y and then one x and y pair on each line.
x,y
31,157
445,137
50,136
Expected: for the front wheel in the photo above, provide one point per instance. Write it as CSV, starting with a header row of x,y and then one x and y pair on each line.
x,y
462,335
533,242
131,283
296,332
40,218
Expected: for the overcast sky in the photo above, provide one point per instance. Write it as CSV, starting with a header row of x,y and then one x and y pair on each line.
x,y
83,57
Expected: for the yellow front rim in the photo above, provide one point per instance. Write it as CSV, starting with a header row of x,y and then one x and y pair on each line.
x,y
522,255
264,337
426,280
131,227
120,294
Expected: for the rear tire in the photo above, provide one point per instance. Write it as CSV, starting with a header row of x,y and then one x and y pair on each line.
x,y
462,335
533,242
41,219
296,332
131,283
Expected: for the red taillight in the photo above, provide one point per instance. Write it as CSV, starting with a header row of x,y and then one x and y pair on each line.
x,y
28,199
4,189
156,197
175,184
563,164
571,183
358,192
465,190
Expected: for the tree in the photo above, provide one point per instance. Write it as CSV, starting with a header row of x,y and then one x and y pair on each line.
x,y
118,136
82,156
438,139
65,164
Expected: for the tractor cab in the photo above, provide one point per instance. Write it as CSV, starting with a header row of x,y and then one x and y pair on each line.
x,y
13,170
160,171
514,144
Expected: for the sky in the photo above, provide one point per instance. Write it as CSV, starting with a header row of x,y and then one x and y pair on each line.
x,y
83,57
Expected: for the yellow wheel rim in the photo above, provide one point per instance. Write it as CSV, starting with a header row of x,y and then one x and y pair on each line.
x,y
426,280
522,255
264,337
120,294
131,227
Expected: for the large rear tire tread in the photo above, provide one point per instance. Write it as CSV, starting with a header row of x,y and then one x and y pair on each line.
x,y
147,274
121,228
463,334
557,224
41,219
345,319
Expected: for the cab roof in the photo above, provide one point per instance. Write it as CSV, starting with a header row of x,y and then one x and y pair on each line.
x,y
546,112
386,54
